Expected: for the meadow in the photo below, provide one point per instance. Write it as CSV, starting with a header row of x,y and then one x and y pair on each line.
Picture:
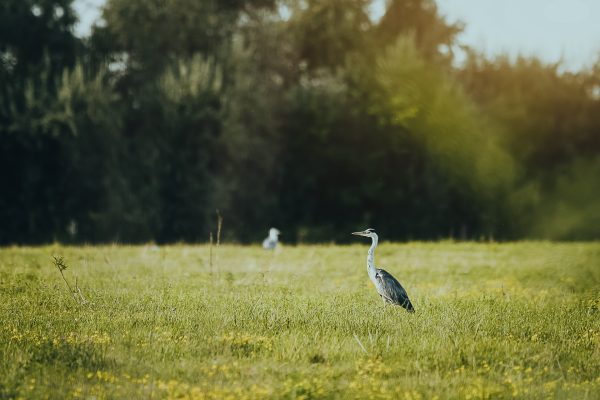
x,y
513,320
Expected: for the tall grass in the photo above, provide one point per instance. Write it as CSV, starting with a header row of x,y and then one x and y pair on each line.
x,y
492,321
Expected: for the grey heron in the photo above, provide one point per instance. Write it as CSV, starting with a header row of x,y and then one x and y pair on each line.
x,y
270,243
390,290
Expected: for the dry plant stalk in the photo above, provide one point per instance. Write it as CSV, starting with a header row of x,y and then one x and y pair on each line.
x,y
210,261
360,344
210,247
59,262
219,225
79,292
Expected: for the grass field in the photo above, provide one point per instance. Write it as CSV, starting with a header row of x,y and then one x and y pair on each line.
x,y
517,320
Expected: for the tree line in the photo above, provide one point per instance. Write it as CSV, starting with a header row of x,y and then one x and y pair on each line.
x,y
310,116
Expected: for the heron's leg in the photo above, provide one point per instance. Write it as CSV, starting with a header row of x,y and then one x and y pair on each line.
x,y
383,299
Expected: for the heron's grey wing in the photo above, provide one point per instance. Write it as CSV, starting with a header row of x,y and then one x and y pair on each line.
x,y
269,244
393,290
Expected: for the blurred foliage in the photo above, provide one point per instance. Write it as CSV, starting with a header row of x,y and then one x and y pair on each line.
x,y
433,35
571,210
326,31
305,115
550,124
460,144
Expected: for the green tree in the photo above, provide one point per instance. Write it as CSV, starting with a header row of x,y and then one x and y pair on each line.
x,y
550,123
325,31
36,45
36,35
434,36
148,35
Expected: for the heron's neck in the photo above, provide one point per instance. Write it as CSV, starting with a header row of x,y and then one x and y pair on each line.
x,y
371,256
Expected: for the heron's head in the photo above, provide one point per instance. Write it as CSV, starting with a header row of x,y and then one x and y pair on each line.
x,y
274,232
367,233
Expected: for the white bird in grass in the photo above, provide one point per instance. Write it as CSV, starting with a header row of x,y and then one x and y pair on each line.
x,y
390,290
270,243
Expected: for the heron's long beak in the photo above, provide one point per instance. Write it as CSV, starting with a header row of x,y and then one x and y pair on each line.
x,y
359,233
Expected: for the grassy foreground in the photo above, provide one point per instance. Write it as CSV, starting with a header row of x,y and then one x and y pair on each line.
x,y
493,321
